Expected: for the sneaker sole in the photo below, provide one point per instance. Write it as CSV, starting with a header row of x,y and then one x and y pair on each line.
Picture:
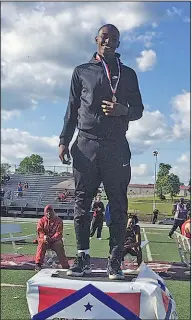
x,y
88,271
116,277
74,274
78,274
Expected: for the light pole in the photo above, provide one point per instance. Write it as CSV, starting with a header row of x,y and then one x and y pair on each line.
x,y
155,153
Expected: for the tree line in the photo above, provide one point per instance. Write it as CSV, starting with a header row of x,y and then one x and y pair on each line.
x,y
31,164
167,183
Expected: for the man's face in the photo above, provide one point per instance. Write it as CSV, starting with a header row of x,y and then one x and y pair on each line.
x,y
130,223
107,41
49,214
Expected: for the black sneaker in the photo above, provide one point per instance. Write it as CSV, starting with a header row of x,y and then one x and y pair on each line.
x,y
114,269
38,267
170,237
81,266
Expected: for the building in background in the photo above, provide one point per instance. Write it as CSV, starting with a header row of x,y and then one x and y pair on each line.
x,y
148,189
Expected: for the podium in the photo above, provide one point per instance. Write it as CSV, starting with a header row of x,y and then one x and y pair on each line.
x,y
53,295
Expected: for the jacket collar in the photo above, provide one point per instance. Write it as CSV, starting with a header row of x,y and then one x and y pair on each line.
x,y
95,61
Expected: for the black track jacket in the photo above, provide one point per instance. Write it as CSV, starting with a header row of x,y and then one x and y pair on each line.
x,y
89,86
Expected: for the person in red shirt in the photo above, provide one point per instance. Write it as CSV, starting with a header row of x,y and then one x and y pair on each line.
x,y
186,229
49,236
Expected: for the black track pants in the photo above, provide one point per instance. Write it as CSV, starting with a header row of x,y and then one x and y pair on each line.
x,y
177,223
96,161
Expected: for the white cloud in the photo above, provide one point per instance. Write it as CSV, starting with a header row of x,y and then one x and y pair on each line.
x,y
7,115
43,118
146,38
139,170
184,158
174,12
35,68
154,25
147,60
182,170
148,131
181,115
186,19
17,144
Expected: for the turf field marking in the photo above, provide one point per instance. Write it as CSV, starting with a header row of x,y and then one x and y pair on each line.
x,y
148,232
12,285
149,256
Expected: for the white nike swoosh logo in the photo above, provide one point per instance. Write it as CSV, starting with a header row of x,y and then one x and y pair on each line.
x,y
124,165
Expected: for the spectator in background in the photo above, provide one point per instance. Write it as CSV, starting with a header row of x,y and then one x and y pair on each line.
x,y
26,186
66,193
9,195
175,207
155,216
132,243
188,204
7,178
97,220
107,215
180,210
60,197
2,195
19,190
49,236
186,228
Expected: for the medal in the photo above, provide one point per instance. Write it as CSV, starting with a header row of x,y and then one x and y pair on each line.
x,y
106,69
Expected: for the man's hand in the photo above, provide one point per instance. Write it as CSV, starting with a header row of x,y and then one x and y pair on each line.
x,y
114,109
62,151
46,239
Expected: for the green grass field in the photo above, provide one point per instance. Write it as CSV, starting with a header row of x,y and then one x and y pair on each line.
x,y
13,299
143,206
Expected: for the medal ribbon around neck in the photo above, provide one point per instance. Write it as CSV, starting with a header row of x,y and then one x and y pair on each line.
x,y
106,68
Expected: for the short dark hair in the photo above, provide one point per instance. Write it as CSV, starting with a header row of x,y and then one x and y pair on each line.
x,y
110,26
134,217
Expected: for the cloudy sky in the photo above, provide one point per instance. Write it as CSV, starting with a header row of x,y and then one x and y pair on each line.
x,y
43,42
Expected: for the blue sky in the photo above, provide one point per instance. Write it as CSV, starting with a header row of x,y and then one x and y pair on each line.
x,y
43,42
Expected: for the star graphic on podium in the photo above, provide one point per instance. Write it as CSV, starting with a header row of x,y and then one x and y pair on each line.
x,y
88,307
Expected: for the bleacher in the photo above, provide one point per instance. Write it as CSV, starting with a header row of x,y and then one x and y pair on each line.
x,y
39,193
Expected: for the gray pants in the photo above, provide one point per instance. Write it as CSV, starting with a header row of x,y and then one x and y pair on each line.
x,y
96,161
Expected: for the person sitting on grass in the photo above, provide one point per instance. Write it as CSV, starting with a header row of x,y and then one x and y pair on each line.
x,y
49,236
132,243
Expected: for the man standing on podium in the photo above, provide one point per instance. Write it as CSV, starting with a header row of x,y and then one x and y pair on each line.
x,y
104,97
